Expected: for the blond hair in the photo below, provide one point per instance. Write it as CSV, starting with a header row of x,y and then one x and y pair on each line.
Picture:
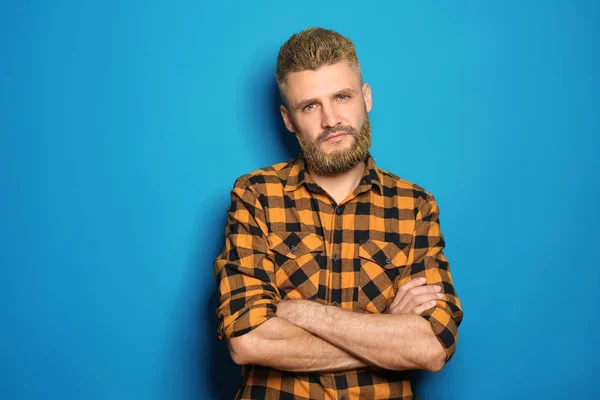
x,y
311,49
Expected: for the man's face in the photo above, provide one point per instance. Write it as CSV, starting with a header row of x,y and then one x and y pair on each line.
x,y
327,109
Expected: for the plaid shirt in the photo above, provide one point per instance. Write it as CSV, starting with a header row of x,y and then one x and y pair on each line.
x,y
287,239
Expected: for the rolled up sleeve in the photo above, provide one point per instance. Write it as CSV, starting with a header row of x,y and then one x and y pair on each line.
x,y
429,259
243,271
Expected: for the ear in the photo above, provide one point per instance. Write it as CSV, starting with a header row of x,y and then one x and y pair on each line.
x,y
287,118
366,91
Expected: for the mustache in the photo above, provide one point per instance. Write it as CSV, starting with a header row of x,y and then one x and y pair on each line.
x,y
323,136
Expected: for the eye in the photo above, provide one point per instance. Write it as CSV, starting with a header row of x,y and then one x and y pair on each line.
x,y
343,97
309,107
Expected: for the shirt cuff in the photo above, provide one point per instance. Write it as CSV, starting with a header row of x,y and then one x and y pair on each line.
x,y
445,328
247,319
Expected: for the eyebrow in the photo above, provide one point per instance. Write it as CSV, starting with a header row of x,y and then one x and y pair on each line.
x,y
303,103
345,91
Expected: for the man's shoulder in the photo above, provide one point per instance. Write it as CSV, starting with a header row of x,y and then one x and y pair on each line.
x,y
402,187
273,174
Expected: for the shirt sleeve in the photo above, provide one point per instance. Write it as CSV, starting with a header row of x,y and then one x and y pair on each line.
x,y
429,258
244,274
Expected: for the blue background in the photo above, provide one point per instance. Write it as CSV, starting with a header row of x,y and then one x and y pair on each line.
x,y
124,126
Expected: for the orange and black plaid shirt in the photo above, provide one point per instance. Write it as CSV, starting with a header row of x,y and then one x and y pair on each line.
x,y
287,239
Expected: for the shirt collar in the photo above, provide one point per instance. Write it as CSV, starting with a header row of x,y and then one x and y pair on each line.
x,y
299,175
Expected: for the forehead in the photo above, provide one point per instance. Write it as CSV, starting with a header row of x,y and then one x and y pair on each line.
x,y
322,82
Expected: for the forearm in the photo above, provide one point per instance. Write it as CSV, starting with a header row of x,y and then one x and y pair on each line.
x,y
280,344
398,342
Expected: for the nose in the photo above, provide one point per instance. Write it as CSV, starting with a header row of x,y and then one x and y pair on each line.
x,y
330,117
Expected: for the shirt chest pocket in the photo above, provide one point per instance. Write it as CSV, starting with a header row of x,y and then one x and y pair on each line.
x,y
298,258
381,264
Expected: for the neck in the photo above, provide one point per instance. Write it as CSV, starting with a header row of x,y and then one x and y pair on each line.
x,y
338,186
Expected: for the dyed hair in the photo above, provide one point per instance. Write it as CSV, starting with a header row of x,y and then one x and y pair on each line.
x,y
312,49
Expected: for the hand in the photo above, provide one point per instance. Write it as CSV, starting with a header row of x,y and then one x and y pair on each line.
x,y
415,297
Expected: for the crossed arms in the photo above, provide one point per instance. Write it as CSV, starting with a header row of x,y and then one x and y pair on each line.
x,y
307,336
301,335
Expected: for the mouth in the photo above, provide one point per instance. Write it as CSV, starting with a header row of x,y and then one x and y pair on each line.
x,y
336,136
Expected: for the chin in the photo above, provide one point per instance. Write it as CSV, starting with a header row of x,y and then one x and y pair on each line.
x,y
338,150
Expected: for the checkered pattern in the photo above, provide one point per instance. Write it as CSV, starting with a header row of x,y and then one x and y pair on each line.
x,y
287,239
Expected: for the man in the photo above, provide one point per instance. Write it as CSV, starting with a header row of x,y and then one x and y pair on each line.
x,y
332,282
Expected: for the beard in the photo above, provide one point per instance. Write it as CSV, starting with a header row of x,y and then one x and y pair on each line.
x,y
337,161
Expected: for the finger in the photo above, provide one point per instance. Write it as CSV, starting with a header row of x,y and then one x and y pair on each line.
x,y
424,307
419,290
423,299
415,302
403,294
416,292
412,283
404,288
418,301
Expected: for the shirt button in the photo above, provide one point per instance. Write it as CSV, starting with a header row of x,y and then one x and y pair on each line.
x,y
342,397
388,260
335,256
293,250
335,303
338,210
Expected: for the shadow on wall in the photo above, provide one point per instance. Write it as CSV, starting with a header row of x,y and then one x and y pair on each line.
x,y
418,380
271,125
224,376
198,364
